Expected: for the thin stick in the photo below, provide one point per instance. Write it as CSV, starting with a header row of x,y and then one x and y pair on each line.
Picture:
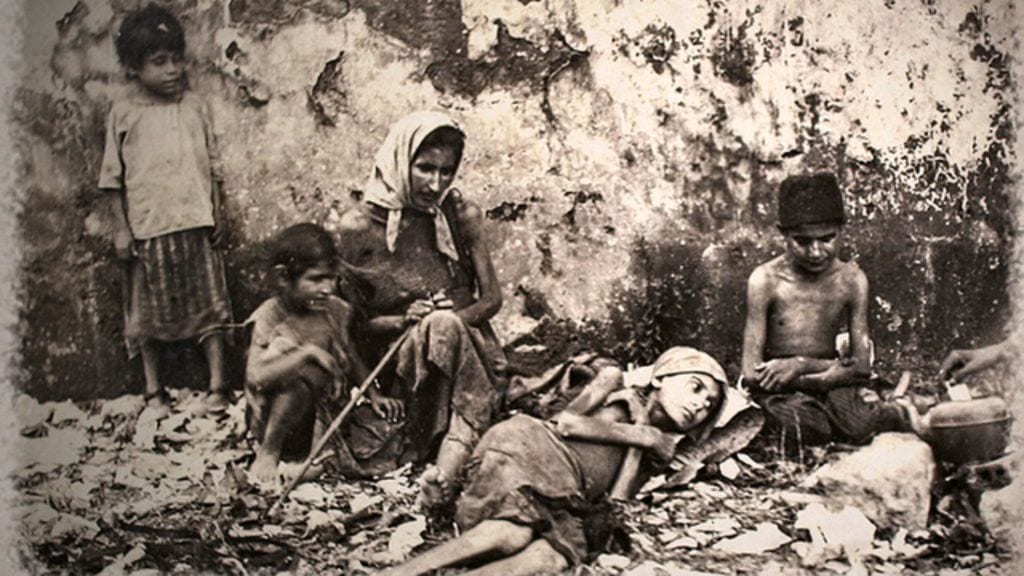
x,y
339,419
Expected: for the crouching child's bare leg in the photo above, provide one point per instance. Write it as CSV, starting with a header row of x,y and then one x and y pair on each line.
x,y
488,539
289,423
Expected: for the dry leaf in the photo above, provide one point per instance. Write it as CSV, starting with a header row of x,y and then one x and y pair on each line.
x,y
405,537
683,542
73,525
766,536
30,413
128,405
362,501
66,411
310,494
125,560
60,447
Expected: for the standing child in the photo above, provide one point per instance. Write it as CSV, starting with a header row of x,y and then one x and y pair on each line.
x,y
797,303
301,353
158,167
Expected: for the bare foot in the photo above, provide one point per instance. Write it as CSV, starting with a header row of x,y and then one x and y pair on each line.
x,y
217,401
290,469
159,404
435,489
263,471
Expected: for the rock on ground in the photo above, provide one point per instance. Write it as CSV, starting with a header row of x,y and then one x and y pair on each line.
x,y
890,480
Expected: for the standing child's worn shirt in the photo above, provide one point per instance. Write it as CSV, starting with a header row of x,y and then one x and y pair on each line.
x,y
161,155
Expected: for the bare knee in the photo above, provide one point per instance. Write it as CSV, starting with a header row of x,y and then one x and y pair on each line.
x,y
544,556
539,557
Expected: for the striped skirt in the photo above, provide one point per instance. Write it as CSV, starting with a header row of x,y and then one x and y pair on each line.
x,y
177,289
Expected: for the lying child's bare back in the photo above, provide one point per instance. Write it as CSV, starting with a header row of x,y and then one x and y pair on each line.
x,y
806,312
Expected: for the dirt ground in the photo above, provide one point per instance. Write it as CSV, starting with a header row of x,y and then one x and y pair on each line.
x,y
106,488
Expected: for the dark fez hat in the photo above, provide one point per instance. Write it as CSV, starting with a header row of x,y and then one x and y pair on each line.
x,y
810,199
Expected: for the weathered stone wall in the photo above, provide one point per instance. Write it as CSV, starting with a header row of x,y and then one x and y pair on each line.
x,y
626,154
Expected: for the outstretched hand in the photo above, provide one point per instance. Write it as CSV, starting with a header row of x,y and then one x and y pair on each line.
x,y
962,363
218,235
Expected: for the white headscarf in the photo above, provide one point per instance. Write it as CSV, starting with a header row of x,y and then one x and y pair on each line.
x,y
682,360
388,186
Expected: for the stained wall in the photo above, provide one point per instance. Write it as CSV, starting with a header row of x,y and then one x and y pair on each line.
x,y
626,155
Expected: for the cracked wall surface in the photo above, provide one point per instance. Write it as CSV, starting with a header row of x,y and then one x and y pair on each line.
x,y
626,155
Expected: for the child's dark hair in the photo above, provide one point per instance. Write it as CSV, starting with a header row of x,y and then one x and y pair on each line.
x,y
145,31
444,137
301,247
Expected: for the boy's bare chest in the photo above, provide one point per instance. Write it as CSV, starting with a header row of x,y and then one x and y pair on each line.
x,y
808,316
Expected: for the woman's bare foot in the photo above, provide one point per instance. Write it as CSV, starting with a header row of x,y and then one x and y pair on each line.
x,y
435,489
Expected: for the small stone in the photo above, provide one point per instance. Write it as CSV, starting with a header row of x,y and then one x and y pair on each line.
x,y
613,561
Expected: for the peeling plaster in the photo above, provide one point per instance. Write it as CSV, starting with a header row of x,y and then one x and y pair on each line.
x,y
626,155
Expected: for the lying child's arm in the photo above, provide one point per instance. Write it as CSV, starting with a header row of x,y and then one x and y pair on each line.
x,y
607,380
599,430
626,481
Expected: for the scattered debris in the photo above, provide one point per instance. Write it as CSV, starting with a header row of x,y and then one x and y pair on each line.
x,y
112,488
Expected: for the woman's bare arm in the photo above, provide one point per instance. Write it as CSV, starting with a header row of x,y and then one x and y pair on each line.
x,y
489,300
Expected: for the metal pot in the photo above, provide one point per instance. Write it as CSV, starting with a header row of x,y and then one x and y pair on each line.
x,y
969,431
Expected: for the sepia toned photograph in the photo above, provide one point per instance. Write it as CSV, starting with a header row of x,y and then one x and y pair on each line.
x,y
503,287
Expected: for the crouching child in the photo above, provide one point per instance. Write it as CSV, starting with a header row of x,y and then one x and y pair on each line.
x,y
301,362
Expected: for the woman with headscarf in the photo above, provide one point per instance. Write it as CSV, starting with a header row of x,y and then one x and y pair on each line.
x,y
417,259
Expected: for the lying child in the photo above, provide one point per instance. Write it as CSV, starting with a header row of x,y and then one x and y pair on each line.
x,y
300,353
797,303
531,481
